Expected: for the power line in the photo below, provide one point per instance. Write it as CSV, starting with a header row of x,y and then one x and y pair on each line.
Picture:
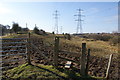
x,y
79,21
56,21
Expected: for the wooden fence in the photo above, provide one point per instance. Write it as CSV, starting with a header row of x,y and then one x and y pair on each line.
x,y
84,58
21,46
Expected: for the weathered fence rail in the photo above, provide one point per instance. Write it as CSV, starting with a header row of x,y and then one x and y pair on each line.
x,y
109,64
13,49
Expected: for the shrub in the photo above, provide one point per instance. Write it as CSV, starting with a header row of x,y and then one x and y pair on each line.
x,y
106,37
100,37
42,32
67,36
16,28
53,32
36,30
115,40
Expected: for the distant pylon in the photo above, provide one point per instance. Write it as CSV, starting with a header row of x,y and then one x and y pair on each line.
x,y
56,21
61,29
79,21
26,25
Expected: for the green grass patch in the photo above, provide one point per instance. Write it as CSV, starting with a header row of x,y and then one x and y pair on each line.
x,y
34,72
31,72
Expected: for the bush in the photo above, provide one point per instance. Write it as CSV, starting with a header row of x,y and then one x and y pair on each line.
x,y
115,40
105,37
53,32
67,36
100,37
36,30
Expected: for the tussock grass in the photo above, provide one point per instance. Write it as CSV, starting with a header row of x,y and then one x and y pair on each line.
x,y
98,48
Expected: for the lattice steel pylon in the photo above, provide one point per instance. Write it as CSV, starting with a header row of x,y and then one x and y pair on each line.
x,y
79,21
56,22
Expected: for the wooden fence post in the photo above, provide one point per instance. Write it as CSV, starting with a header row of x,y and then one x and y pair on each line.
x,y
56,50
83,59
109,63
28,49
87,65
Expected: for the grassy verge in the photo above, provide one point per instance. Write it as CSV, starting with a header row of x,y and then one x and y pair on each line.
x,y
42,72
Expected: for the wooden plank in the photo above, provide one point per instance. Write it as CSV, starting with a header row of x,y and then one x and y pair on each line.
x,y
109,63
68,64
13,43
12,50
12,47
12,54
56,51
83,59
88,58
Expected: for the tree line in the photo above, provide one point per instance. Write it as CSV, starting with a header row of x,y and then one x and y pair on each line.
x,y
6,29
